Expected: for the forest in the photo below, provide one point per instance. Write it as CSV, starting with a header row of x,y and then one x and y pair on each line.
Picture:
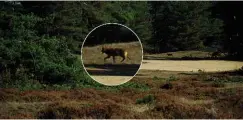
x,y
40,41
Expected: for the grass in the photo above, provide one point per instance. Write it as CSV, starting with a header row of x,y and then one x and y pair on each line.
x,y
63,110
129,85
158,78
172,78
218,84
220,77
199,95
127,100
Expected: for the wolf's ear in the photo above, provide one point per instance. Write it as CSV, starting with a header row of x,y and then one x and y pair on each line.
x,y
102,49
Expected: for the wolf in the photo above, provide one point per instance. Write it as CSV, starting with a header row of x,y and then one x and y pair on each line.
x,y
115,52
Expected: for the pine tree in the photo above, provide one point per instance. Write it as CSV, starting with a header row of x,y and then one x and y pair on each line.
x,y
183,25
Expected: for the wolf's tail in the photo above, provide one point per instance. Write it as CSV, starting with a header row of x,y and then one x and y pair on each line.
x,y
127,55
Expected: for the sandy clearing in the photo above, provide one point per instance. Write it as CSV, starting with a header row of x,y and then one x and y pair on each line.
x,y
190,65
173,65
112,80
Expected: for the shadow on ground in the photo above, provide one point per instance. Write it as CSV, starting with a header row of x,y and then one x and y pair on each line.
x,y
112,69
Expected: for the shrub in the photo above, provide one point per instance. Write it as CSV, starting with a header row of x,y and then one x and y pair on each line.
x,y
149,99
218,84
172,78
134,85
236,79
155,78
166,86
27,57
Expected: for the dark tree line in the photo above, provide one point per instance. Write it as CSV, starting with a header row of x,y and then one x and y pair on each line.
x,y
230,13
39,40
110,33
183,25
197,26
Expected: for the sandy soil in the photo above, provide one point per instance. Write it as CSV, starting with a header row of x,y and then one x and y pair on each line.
x,y
190,65
174,65
112,80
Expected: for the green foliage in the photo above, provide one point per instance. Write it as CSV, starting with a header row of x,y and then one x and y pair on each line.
x,y
236,79
75,19
149,99
29,60
37,40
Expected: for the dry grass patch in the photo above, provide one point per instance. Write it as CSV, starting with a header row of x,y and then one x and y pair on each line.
x,y
192,96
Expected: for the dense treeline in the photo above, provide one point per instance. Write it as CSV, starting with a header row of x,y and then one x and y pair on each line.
x,y
110,33
183,25
39,41
230,13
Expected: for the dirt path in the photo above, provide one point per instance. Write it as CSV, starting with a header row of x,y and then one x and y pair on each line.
x,y
174,65
190,65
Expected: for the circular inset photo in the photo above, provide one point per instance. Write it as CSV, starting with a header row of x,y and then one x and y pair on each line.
x,y
112,54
